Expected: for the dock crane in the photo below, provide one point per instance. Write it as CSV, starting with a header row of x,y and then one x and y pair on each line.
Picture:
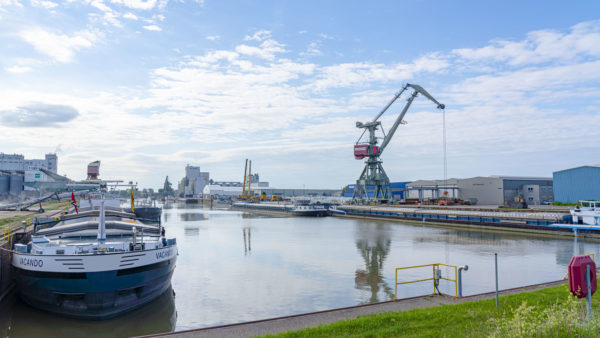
x,y
373,173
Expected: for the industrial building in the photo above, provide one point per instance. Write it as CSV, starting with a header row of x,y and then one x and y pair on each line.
x,y
490,190
575,184
192,185
16,162
18,174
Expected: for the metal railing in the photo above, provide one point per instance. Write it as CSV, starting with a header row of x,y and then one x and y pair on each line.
x,y
435,278
593,258
8,235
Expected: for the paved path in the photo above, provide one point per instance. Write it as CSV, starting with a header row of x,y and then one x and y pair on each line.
x,y
297,322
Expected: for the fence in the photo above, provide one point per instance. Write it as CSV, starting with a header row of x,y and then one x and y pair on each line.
x,y
435,278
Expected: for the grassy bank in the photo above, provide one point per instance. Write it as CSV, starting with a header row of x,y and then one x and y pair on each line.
x,y
547,312
10,219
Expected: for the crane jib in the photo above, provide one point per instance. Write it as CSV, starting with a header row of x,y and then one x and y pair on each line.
x,y
373,174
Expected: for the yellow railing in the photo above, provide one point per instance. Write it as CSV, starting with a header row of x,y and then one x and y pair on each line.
x,y
435,267
593,258
7,235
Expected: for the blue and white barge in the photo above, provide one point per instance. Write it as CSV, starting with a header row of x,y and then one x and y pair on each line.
x,y
97,264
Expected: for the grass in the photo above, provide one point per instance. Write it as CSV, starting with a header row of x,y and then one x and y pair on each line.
x,y
548,312
561,204
48,206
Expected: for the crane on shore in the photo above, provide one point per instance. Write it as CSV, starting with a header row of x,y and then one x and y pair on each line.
x,y
373,174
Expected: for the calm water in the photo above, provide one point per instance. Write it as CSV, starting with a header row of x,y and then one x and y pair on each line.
x,y
235,267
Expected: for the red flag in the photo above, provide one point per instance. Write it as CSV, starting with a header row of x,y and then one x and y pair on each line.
x,y
74,202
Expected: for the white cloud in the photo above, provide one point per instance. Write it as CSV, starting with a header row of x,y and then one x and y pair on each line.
x,y
325,36
266,50
258,36
153,28
137,4
213,37
6,3
45,4
130,16
312,49
540,46
18,69
59,47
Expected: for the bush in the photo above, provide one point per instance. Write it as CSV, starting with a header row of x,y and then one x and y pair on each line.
x,y
562,319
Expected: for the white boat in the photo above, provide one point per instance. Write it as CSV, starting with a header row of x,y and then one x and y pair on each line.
x,y
588,213
96,264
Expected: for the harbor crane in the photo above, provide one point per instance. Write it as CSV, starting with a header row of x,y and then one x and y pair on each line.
x,y
373,174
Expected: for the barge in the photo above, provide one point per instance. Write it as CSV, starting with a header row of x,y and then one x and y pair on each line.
x,y
284,209
95,263
549,222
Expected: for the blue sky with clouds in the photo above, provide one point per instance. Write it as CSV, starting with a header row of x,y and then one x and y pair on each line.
x,y
149,86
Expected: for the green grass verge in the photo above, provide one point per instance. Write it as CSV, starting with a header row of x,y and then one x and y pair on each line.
x,y
547,312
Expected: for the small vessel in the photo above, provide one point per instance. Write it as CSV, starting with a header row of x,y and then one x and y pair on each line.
x,y
95,263
588,213
299,208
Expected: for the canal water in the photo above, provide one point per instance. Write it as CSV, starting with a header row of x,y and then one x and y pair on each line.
x,y
234,267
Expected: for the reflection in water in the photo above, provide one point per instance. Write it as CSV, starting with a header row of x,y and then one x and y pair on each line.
x,y
192,216
191,231
569,249
247,241
17,319
374,247
462,237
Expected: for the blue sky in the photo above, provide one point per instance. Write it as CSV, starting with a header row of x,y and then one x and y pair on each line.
x,y
149,86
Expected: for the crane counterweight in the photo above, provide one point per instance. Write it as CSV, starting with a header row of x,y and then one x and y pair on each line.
x,y
373,174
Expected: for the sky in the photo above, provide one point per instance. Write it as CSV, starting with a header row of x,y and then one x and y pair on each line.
x,y
148,86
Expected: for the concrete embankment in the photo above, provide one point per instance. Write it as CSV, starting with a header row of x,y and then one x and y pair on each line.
x,y
301,321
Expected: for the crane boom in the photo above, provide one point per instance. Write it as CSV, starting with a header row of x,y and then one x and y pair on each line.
x,y
391,102
373,174
418,89
426,94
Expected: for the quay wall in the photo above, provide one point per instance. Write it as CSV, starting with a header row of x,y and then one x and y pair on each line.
x,y
6,280
507,227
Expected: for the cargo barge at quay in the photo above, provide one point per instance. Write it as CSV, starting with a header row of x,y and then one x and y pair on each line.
x,y
96,263
283,209
548,222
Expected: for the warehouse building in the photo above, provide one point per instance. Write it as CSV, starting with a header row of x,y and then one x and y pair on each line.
x,y
575,184
490,190
496,190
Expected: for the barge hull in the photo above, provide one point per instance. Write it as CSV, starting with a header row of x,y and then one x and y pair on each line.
x,y
93,295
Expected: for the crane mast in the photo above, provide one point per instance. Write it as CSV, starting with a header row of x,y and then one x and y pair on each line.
x,y
373,174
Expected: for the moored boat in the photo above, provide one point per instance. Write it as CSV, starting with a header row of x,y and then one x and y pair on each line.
x,y
283,209
588,213
94,264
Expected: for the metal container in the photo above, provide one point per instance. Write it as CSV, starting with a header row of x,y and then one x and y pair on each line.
x,y
4,184
16,183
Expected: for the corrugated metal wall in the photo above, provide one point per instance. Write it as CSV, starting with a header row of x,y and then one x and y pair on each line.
x,y
572,185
